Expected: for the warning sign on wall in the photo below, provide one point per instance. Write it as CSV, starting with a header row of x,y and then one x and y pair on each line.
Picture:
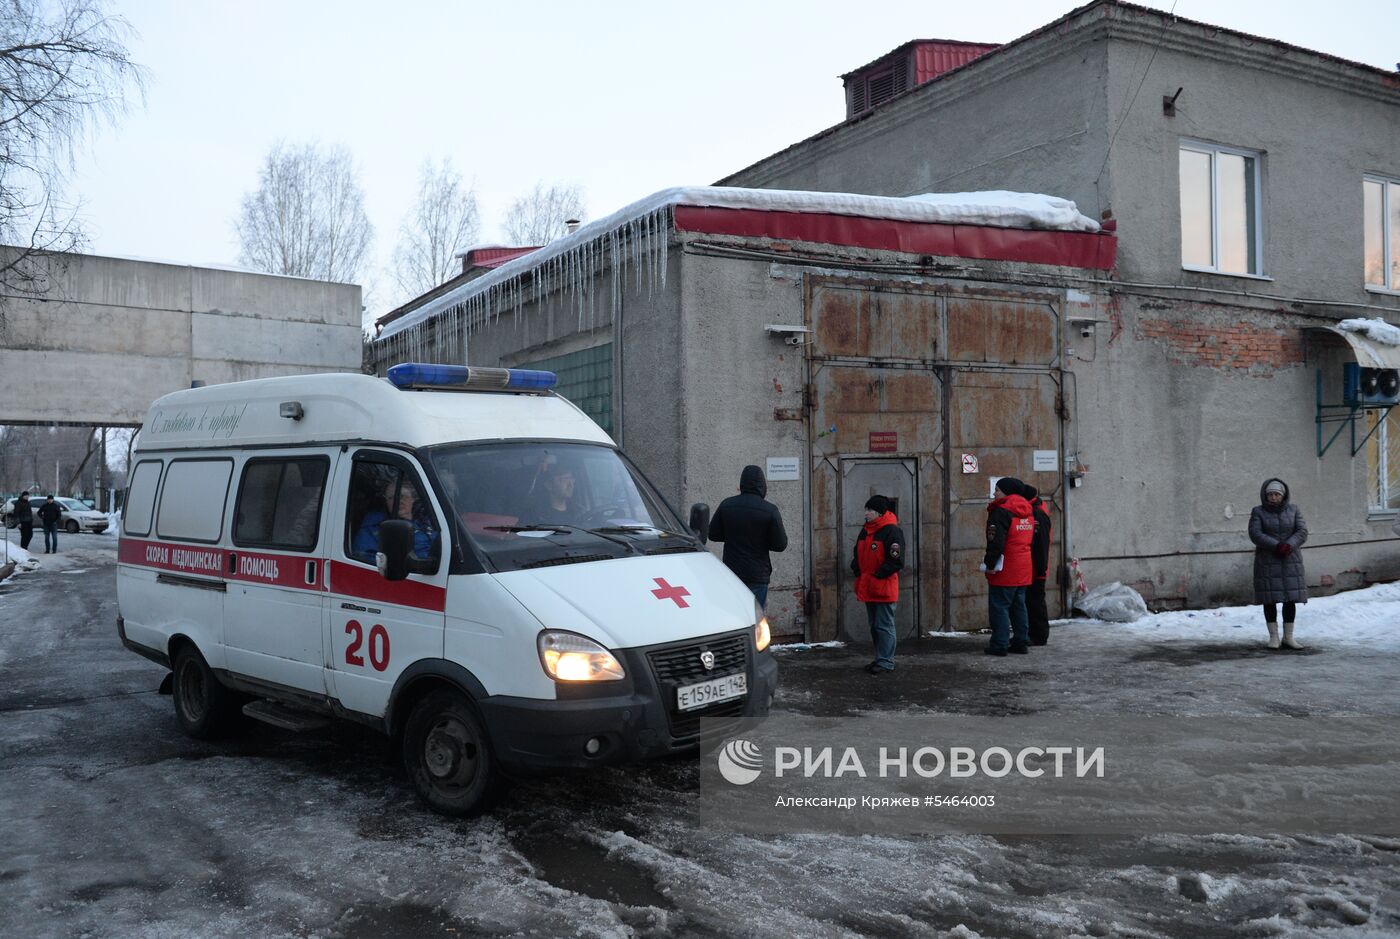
x,y
969,463
783,469
884,441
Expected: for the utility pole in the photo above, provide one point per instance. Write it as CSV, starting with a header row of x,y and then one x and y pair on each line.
x,y
101,486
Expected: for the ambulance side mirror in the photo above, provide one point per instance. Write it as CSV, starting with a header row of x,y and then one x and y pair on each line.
x,y
700,521
395,543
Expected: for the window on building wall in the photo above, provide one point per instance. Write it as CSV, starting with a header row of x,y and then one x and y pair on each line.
x,y
1220,218
585,378
1383,461
1381,213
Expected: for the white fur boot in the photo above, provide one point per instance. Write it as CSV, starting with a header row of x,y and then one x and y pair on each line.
x,y
1273,635
1288,641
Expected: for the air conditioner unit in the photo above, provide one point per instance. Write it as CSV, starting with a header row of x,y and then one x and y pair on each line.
x,y
1372,387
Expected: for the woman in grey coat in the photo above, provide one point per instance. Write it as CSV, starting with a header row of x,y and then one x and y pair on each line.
x,y
1278,531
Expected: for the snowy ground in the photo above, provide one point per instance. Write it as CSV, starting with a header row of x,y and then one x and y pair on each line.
x,y
116,825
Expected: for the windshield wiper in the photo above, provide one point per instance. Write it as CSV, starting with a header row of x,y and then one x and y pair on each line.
x,y
689,538
564,530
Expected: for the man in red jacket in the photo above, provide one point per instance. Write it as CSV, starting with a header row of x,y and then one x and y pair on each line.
x,y
878,559
1010,527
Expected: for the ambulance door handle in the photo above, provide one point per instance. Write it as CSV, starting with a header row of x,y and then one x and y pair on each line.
x,y
311,573
233,562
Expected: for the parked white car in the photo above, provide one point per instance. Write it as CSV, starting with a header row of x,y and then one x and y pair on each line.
x,y
76,516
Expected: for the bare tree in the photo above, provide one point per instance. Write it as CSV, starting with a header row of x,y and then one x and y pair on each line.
x,y
538,217
442,223
49,459
307,217
64,69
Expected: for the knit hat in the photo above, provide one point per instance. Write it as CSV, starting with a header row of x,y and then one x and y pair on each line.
x,y
878,504
1011,485
1274,486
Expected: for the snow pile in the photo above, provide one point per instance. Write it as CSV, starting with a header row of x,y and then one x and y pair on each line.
x,y
807,646
114,524
1004,209
1358,617
1376,330
22,559
638,236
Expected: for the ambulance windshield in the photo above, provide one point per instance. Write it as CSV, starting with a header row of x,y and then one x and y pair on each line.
x,y
539,504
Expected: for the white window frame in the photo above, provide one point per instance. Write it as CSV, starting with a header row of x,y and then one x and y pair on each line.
x,y
1378,498
1213,150
1387,236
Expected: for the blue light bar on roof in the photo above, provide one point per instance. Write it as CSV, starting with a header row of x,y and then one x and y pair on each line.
x,y
470,377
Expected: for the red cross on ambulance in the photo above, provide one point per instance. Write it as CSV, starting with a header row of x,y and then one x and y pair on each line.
x,y
665,591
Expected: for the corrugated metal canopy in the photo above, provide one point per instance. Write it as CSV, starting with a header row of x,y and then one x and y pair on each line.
x,y
1369,353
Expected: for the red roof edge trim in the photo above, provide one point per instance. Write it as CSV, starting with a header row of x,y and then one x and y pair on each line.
x,y
495,257
1090,250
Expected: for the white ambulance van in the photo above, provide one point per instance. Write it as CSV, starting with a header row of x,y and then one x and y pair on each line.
x,y
455,556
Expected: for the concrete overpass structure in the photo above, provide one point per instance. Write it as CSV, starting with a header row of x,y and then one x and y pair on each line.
x,y
93,340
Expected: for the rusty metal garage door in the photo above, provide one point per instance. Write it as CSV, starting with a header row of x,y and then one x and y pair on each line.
x,y
876,400
902,380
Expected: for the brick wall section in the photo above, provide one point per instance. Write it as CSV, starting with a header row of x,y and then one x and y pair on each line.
x,y
1237,345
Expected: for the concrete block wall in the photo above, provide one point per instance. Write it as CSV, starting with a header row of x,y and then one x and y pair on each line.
x,y
103,337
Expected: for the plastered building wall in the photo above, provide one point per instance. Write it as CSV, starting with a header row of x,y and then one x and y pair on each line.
x,y
100,338
742,388
1036,121
1182,410
1193,387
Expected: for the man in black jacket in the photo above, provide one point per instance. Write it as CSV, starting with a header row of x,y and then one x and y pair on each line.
x,y
49,513
750,526
24,517
1038,615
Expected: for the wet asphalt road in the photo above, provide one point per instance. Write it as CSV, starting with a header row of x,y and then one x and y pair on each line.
x,y
117,825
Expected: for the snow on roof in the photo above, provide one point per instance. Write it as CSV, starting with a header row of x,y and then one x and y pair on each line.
x,y
996,208
1377,330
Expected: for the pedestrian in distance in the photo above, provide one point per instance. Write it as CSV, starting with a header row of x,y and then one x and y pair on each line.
x,y
879,557
749,527
49,514
1038,617
24,518
1278,531
1007,563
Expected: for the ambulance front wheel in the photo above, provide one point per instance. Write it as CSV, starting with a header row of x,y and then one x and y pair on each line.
x,y
204,707
447,756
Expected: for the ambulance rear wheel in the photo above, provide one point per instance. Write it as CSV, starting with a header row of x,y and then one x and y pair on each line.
x,y
447,756
203,707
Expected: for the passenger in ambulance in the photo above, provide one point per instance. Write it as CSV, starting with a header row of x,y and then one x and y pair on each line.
x,y
409,505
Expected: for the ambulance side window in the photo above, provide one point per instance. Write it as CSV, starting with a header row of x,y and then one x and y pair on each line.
x,y
193,499
279,503
381,491
140,504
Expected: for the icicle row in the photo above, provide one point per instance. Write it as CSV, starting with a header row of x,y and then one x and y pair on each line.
x,y
566,280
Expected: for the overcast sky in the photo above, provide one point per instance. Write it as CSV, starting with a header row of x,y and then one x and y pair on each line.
x,y
623,98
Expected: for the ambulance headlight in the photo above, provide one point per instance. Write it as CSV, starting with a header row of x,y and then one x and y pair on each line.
x,y
762,633
571,657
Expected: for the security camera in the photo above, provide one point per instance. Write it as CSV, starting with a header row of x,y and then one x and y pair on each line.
x,y
1086,330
